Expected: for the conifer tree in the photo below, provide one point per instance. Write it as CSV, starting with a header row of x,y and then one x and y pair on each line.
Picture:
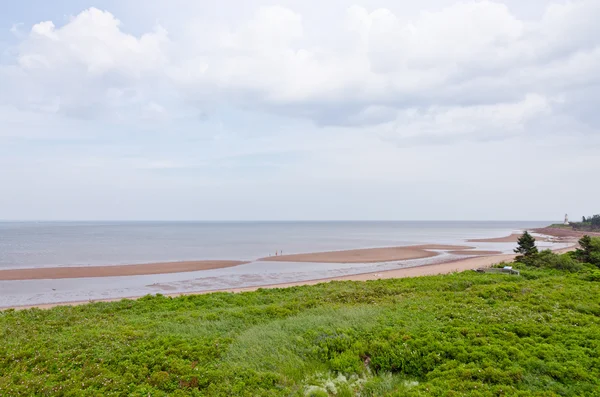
x,y
526,247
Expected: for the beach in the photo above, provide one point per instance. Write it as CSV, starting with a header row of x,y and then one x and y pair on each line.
x,y
512,238
47,286
564,233
452,266
52,273
427,270
419,271
369,255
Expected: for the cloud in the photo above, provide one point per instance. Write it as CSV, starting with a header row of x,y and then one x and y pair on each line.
x,y
481,122
88,68
467,55
471,69
94,43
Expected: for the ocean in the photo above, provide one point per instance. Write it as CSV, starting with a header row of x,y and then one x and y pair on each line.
x,y
50,244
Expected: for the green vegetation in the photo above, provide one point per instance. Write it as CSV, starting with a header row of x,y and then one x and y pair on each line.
x,y
468,333
591,223
588,253
526,246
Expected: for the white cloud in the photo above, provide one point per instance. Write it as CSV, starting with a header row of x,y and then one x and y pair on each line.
x,y
93,41
472,70
480,122
469,54
76,69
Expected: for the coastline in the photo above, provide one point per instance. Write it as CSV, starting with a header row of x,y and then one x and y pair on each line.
x,y
417,271
563,233
451,266
369,255
472,258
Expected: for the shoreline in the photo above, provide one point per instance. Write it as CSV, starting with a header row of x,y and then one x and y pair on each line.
x,y
368,255
563,233
451,266
472,259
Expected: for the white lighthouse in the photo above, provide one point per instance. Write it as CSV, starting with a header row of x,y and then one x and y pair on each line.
x,y
566,219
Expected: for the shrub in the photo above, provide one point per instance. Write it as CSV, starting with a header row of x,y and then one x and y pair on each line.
x,y
563,262
589,251
549,260
594,275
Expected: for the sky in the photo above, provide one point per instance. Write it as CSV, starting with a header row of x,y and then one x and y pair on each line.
x,y
299,110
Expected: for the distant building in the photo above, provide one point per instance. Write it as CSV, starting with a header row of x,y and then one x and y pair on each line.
x,y
566,219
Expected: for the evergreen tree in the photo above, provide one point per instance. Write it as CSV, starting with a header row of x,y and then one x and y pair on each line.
x,y
584,253
526,246
589,251
595,221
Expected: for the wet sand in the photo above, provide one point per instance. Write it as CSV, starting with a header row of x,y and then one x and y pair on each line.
x,y
564,233
374,255
418,271
51,273
370,255
507,239
474,252
428,270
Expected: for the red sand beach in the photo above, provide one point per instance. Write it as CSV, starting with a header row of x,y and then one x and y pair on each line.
x,y
349,256
370,255
483,259
429,270
111,271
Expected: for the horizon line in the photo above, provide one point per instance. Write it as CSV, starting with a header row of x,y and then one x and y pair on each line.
x,y
275,220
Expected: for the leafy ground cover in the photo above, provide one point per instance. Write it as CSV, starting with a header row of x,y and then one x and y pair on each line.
x,y
537,334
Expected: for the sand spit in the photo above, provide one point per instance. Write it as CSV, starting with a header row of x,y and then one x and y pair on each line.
x,y
369,255
418,271
564,233
428,270
508,239
112,271
474,252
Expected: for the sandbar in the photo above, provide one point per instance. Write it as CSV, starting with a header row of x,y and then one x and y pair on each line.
x,y
418,271
507,239
474,252
564,233
368,255
51,273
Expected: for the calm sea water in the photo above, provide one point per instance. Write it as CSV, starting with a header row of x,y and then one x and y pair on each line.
x,y
36,244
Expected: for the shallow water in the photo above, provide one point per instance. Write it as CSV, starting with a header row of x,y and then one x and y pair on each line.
x,y
30,244
67,244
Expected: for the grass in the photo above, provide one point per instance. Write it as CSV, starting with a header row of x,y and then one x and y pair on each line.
x,y
459,334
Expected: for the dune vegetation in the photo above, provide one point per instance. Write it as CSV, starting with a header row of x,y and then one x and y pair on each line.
x,y
537,334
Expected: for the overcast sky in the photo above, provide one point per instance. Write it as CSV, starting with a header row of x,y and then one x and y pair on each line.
x,y
231,110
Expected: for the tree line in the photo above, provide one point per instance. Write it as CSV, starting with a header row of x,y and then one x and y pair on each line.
x,y
588,223
588,253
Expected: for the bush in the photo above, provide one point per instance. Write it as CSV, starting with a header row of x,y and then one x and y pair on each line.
x,y
541,259
549,260
589,251
461,334
594,275
564,262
